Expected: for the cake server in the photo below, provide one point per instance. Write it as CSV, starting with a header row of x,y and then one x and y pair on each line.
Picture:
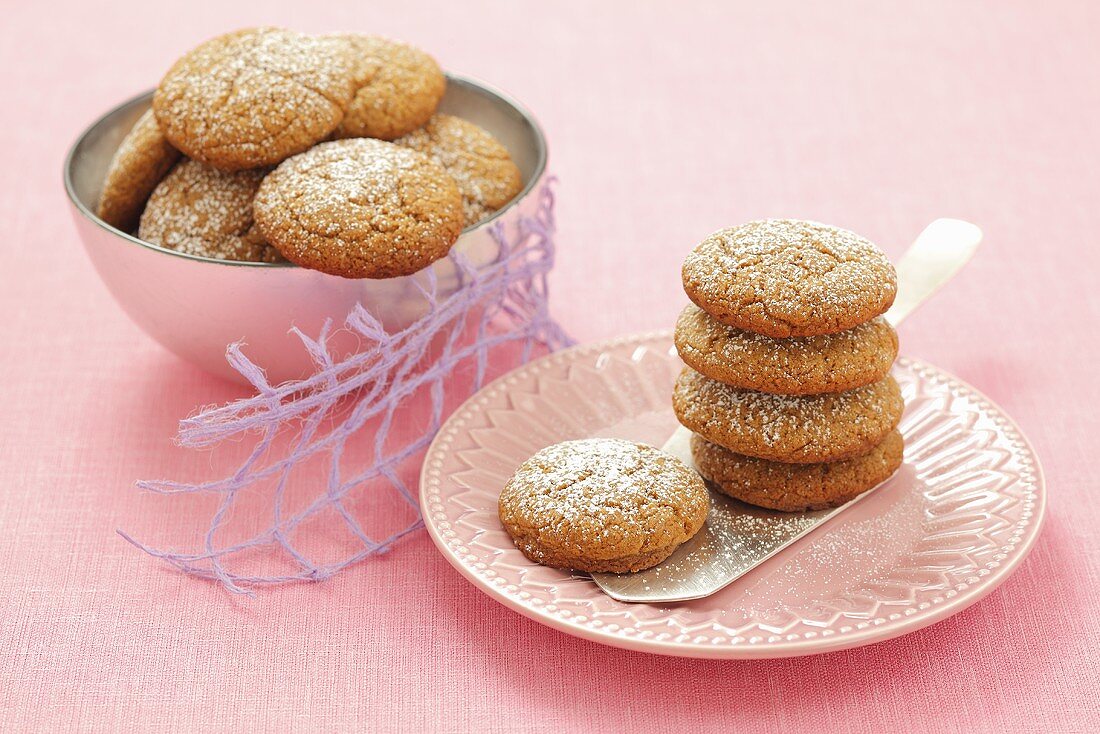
x,y
738,537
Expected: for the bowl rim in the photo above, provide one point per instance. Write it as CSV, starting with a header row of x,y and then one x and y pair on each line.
x,y
466,81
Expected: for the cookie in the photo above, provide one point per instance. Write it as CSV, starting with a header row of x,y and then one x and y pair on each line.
x,y
199,210
806,365
785,277
141,161
796,487
485,172
795,429
360,208
602,505
397,88
254,97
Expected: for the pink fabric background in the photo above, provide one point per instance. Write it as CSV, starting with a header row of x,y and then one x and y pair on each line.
x,y
664,125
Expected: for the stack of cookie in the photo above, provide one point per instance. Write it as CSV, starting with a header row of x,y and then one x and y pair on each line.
x,y
787,386
266,144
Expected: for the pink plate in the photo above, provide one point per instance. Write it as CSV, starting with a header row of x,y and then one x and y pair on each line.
x,y
955,521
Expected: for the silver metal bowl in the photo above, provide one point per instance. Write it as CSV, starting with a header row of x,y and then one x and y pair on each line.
x,y
196,306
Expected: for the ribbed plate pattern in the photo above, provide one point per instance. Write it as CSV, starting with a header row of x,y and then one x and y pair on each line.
x,y
962,514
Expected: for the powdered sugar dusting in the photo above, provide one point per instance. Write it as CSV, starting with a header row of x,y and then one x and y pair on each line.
x,y
138,165
787,277
802,429
602,497
479,164
792,366
361,208
397,87
199,210
254,97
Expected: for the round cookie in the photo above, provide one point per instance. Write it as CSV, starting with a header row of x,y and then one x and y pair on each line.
x,y
254,97
786,277
479,164
806,365
796,487
360,208
397,88
141,161
202,211
794,429
602,505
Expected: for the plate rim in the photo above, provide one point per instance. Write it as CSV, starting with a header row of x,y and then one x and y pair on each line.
x,y
779,649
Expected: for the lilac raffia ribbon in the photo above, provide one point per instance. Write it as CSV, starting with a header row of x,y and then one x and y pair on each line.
x,y
507,303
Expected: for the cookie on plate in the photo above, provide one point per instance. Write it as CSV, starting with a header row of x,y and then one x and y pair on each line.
x,y
787,277
806,365
602,505
796,429
397,88
796,487
143,158
199,210
360,208
254,97
484,170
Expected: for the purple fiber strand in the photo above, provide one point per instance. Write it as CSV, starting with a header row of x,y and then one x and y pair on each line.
x,y
508,301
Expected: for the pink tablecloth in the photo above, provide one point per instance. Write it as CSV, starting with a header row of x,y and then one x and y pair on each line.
x,y
664,125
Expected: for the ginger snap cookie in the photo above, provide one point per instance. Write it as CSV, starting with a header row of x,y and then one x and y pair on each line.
x,y
794,429
806,365
202,211
397,88
254,97
360,208
786,277
483,169
602,505
143,158
796,487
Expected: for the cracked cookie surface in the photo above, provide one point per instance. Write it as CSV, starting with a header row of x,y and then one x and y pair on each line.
x,y
787,277
483,169
360,208
794,366
602,505
795,429
796,487
254,97
143,158
397,88
199,210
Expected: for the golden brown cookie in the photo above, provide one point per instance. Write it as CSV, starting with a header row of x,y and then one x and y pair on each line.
x,y
202,211
397,88
786,277
254,97
141,161
602,505
360,208
795,429
806,365
796,487
485,172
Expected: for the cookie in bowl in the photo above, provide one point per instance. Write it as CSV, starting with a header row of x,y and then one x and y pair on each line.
x,y
397,88
483,169
254,97
199,210
360,208
143,158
